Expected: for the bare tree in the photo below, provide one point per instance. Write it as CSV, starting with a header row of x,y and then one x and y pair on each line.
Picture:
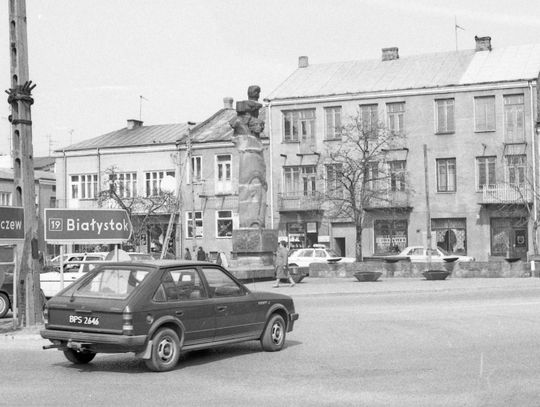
x,y
119,194
359,174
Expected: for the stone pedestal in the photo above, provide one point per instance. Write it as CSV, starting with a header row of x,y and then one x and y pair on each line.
x,y
253,249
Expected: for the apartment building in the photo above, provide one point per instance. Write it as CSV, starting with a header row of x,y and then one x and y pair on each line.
x,y
476,111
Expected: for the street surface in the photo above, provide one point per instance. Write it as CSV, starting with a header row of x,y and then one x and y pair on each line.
x,y
396,342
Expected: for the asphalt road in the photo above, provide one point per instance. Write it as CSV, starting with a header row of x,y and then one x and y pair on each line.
x,y
404,348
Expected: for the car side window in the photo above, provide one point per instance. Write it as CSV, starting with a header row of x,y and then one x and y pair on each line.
x,y
87,267
220,284
189,284
417,252
307,253
320,253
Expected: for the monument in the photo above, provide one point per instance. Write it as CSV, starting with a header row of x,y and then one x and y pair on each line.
x,y
253,244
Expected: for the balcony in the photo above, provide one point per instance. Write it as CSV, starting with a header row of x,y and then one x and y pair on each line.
x,y
505,194
299,201
390,200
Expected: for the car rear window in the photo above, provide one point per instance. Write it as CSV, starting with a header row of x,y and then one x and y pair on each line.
x,y
110,283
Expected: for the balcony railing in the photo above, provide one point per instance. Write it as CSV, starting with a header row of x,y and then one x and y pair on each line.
x,y
506,194
299,201
390,200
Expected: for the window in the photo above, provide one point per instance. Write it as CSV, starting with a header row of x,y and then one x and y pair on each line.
x,y
484,113
5,199
198,224
486,176
395,113
126,184
451,234
195,173
220,284
390,236
223,174
179,285
509,237
514,129
334,174
397,175
299,126
373,175
333,123
224,224
153,181
291,177
515,169
84,186
445,115
446,175
309,178
300,180
369,116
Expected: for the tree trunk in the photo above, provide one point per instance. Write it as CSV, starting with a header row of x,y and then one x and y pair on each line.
x,y
358,229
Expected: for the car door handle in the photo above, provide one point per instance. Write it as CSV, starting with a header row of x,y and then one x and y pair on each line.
x,y
221,308
180,313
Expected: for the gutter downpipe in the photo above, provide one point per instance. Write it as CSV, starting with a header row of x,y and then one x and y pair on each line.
x,y
65,178
533,148
98,153
271,155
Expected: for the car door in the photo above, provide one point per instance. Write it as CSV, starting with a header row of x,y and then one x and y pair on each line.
x,y
235,307
183,295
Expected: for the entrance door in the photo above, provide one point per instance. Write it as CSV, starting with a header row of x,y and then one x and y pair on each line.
x,y
339,245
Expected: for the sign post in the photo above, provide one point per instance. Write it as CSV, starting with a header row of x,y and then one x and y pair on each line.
x,y
86,226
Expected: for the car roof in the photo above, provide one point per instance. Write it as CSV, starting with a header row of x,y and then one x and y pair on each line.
x,y
160,263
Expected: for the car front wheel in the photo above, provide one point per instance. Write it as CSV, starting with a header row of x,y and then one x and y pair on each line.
x,y
4,305
165,351
273,337
79,357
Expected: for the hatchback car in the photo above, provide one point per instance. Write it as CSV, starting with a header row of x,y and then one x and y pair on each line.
x,y
304,257
159,309
438,255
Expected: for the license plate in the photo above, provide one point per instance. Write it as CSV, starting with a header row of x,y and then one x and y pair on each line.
x,y
83,320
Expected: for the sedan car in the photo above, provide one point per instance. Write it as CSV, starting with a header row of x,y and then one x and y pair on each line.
x,y
304,257
161,308
438,255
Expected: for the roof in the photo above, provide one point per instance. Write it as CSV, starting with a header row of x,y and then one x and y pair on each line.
x,y
412,72
7,173
138,136
42,163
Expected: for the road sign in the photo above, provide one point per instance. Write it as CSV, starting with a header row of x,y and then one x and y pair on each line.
x,y
11,223
64,226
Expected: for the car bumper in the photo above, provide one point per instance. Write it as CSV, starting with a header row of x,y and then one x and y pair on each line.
x,y
292,317
95,340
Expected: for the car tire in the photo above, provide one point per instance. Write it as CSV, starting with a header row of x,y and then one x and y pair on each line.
x,y
79,357
273,337
165,351
4,305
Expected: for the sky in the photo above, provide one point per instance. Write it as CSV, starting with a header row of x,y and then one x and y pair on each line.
x,y
92,60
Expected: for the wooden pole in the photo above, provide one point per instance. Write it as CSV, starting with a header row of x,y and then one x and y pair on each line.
x,y
20,100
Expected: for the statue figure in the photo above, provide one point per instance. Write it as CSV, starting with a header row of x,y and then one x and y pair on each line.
x,y
252,184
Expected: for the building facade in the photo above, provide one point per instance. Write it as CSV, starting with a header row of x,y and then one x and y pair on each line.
x,y
476,112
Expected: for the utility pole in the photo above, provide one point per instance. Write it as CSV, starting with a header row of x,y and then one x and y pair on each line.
x,y
20,99
190,163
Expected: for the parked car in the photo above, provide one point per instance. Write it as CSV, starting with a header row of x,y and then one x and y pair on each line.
x,y
304,257
158,309
438,255
76,265
6,294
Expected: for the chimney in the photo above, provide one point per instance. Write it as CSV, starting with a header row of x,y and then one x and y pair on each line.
x,y
303,62
389,54
483,43
228,102
133,124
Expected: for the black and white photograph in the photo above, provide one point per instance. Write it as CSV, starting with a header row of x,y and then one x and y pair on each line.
x,y
270,203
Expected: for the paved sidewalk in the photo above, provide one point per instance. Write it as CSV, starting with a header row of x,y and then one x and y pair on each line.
x,y
29,337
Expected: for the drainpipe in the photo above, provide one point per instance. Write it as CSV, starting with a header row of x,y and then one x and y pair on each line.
x,y
98,169
65,179
534,169
270,156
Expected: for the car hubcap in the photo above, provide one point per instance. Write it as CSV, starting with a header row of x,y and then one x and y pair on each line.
x,y
165,349
3,305
277,333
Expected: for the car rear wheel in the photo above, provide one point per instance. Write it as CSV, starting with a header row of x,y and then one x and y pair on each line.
x,y
165,351
79,357
273,337
4,305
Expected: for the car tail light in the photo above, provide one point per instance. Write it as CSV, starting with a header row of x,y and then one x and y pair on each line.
x,y
45,315
127,322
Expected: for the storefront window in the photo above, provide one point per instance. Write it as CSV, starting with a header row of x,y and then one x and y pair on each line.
x,y
390,236
451,234
509,237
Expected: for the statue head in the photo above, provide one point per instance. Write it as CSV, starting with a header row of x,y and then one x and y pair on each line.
x,y
253,92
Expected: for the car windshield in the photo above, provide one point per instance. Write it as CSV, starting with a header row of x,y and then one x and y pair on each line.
x,y
110,283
